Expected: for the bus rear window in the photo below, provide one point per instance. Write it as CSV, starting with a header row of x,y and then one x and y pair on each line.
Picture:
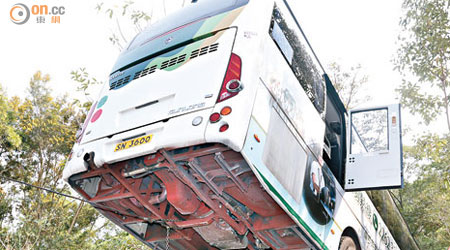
x,y
186,25
188,15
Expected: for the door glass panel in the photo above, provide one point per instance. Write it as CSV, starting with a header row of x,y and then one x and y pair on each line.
x,y
369,131
357,145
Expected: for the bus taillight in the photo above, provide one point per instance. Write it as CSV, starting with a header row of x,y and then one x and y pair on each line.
x,y
225,111
214,117
224,127
231,84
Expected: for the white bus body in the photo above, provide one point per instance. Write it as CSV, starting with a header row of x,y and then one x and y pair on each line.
x,y
219,123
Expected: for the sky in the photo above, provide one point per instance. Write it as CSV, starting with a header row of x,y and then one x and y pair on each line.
x,y
349,32
79,40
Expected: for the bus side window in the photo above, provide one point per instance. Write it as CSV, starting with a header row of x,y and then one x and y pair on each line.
x,y
288,39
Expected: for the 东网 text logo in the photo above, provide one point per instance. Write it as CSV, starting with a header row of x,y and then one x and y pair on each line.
x,y
20,13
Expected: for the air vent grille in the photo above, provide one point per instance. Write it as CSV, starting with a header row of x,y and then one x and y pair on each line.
x,y
166,64
213,47
204,50
119,83
194,54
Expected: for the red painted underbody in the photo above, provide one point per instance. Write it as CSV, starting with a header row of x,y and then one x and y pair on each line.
x,y
207,195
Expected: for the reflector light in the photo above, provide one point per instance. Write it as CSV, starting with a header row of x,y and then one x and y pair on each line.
x,y
231,83
234,86
224,128
225,111
257,138
80,152
197,121
96,115
214,117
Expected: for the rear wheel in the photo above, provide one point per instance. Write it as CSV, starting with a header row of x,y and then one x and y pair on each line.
x,y
347,243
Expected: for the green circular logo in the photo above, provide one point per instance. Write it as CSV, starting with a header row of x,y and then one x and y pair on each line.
x,y
375,222
102,101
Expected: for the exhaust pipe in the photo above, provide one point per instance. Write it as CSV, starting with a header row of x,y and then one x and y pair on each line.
x,y
89,159
159,198
143,170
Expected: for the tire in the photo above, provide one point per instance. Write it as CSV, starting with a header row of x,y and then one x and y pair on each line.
x,y
347,243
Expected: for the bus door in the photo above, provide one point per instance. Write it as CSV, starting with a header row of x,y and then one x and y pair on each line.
x,y
374,149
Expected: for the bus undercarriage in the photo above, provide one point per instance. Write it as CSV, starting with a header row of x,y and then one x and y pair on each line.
x,y
207,195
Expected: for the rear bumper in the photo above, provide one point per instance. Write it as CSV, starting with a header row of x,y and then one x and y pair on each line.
x,y
174,133
177,132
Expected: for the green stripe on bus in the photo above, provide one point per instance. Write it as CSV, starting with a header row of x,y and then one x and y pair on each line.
x,y
202,33
291,210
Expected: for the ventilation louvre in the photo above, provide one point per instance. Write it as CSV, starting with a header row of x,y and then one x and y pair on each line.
x,y
194,54
181,58
168,63
119,83
164,64
213,47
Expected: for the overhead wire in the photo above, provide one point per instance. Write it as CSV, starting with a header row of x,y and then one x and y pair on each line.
x,y
95,205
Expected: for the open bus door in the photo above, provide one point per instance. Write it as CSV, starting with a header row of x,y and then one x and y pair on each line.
x,y
374,149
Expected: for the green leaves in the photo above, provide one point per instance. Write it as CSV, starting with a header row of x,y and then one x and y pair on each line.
x,y
8,136
81,76
432,153
424,54
37,134
427,106
425,202
424,61
127,17
425,208
349,83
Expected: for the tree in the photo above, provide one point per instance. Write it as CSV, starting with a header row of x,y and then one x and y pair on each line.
x,y
116,238
9,138
425,207
125,11
425,202
425,53
46,127
108,236
423,59
36,135
349,83
128,19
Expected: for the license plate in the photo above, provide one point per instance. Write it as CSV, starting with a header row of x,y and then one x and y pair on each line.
x,y
133,142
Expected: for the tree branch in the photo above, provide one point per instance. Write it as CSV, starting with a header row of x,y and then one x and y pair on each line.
x,y
75,217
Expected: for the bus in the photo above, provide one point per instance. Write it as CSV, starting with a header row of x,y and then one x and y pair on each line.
x,y
220,129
